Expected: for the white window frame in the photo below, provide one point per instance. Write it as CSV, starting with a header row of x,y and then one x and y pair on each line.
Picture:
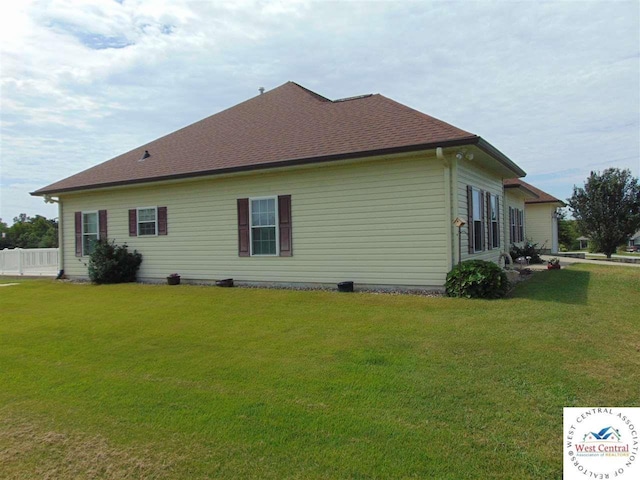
x,y
138,221
477,200
493,208
521,225
513,230
516,227
251,227
97,234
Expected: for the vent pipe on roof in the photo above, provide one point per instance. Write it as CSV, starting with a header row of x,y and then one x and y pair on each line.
x,y
261,90
146,155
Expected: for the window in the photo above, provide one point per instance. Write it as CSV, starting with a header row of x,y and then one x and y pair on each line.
x,y
148,221
476,214
264,226
494,217
520,225
516,224
90,231
477,221
264,222
89,227
147,224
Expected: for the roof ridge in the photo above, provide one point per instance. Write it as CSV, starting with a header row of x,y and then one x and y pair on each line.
x,y
355,97
311,92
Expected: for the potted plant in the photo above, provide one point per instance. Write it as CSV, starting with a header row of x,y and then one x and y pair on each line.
x,y
553,264
173,279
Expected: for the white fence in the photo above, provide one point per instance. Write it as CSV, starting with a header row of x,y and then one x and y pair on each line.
x,y
35,261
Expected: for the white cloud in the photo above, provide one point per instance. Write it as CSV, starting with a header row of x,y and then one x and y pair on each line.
x,y
553,85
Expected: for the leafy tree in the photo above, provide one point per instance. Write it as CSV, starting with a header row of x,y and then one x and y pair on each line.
x,y
29,232
567,232
607,208
4,229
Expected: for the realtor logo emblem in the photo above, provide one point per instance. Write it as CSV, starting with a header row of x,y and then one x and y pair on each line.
x,y
607,433
601,442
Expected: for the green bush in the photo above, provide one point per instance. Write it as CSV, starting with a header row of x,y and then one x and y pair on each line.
x,y
527,250
111,263
477,279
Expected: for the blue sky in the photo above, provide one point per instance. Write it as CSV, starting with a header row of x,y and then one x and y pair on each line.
x,y
553,85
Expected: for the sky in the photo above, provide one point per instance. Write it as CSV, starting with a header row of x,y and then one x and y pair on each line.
x,y
553,85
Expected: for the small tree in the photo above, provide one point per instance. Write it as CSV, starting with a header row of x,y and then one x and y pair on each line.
x,y
607,209
111,263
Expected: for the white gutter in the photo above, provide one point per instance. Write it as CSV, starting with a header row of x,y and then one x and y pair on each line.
x,y
49,199
60,237
451,204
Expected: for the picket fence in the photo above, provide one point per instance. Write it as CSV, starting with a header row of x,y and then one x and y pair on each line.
x,y
31,261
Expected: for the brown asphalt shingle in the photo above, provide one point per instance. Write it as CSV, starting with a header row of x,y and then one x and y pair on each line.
x,y
286,124
543,197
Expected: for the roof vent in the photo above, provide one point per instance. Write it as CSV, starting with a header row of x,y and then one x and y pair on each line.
x,y
145,156
261,90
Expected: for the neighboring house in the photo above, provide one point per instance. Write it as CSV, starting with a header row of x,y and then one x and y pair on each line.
x,y
292,187
540,215
634,241
515,197
583,243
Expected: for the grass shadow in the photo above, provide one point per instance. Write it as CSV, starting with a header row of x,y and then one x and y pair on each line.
x,y
562,286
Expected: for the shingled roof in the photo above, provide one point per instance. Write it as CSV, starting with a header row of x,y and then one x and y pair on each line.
x,y
288,125
542,197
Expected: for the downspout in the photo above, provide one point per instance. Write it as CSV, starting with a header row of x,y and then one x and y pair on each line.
x,y
554,231
455,211
60,240
48,199
450,197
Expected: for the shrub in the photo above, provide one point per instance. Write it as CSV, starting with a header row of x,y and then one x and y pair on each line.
x,y
477,279
527,250
111,263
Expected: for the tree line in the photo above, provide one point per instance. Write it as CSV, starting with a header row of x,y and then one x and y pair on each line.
x,y
29,232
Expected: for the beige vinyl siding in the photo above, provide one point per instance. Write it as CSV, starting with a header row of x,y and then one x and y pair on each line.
x,y
373,222
470,173
513,200
539,224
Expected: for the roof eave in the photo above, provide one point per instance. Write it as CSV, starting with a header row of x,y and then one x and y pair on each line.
x,y
264,166
522,189
485,146
541,202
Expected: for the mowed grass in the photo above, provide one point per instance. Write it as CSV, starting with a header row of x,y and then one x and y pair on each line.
x,y
143,381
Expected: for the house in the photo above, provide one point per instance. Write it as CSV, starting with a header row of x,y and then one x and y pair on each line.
x,y
515,198
291,187
634,242
540,215
583,242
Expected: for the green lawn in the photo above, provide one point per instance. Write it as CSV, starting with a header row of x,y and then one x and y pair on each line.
x,y
142,381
